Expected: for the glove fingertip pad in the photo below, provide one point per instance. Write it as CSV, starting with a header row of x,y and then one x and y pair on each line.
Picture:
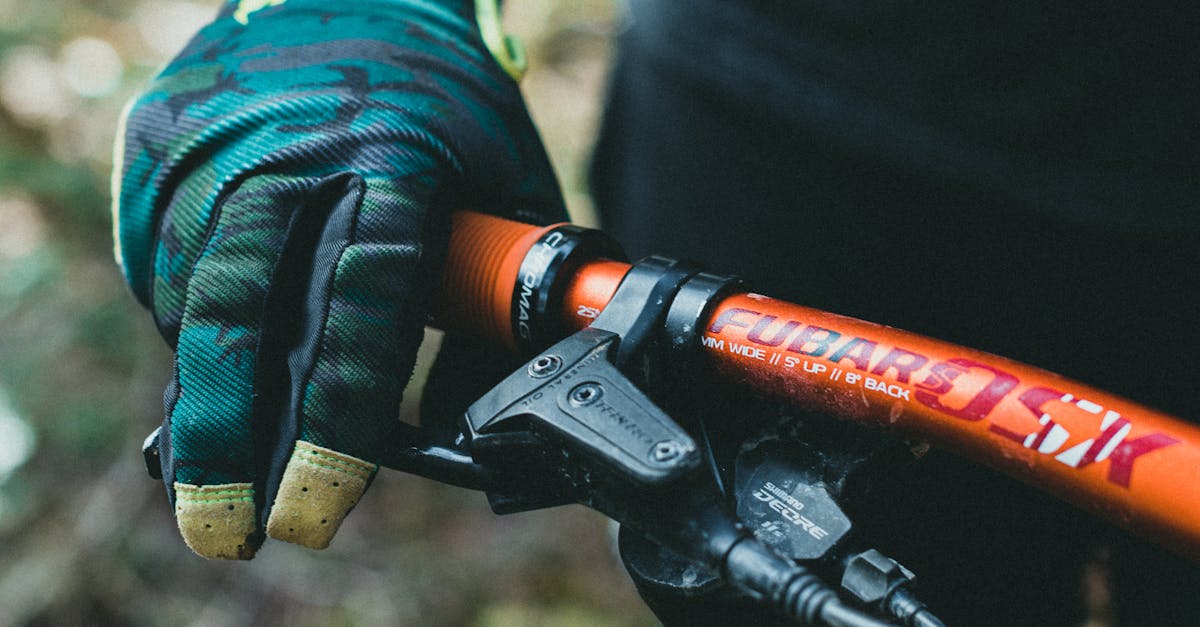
x,y
217,521
319,488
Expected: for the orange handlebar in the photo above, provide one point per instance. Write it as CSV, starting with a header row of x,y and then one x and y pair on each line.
x,y
1133,465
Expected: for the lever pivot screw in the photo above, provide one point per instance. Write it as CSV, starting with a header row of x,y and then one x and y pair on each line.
x,y
586,394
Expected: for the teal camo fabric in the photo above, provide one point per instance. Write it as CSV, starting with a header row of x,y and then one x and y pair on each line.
x,y
282,204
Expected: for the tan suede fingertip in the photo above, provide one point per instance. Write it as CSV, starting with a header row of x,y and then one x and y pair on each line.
x,y
319,487
216,521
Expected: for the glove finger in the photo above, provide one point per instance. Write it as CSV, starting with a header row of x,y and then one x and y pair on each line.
x,y
208,415
214,435
362,321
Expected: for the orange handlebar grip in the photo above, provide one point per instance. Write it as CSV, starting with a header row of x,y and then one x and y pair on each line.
x,y
481,269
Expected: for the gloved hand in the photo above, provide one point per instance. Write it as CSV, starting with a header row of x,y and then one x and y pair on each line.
x,y
282,201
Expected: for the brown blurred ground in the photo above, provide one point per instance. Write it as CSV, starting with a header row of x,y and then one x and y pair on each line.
x,y
85,536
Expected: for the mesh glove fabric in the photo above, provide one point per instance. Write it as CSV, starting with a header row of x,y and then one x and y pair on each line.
x,y
281,202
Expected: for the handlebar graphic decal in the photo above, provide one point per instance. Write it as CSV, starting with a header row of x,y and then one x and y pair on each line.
x,y
1111,443
959,387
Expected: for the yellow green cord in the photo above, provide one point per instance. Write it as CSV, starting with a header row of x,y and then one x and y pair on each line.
x,y
115,181
507,50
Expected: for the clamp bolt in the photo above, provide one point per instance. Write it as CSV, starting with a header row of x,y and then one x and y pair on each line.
x,y
545,366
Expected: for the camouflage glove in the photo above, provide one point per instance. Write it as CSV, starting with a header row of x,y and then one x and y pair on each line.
x,y
282,207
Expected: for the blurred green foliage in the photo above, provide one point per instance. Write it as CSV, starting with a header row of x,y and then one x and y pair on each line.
x,y
85,536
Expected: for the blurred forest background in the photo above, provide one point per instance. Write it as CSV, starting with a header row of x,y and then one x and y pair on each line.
x,y
85,536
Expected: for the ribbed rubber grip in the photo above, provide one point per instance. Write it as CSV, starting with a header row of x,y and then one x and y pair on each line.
x,y
481,269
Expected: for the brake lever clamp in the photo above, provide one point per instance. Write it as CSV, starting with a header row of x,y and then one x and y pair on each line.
x,y
570,419
570,426
589,425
